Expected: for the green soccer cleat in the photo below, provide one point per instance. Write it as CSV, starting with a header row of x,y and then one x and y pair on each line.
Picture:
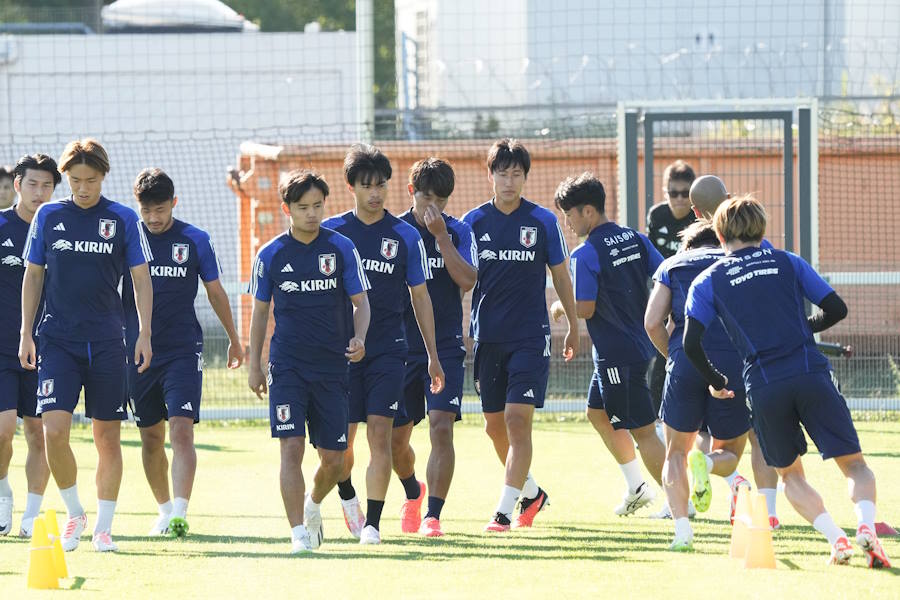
x,y
178,527
682,545
701,493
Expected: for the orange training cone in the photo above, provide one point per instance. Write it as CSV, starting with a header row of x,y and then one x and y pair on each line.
x,y
760,515
41,574
59,557
742,520
760,554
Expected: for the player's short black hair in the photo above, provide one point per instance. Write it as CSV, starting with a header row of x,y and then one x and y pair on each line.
x,y
366,164
6,172
432,175
35,162
153,186
584,190
507,153
698,234
296,183
678,171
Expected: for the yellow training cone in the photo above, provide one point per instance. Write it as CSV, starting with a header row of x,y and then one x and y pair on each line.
x,y
760,517
41,574
760,554
59,557
739,534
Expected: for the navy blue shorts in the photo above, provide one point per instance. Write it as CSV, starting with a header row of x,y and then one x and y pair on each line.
x,y
169,388
376,387
688,406
514,373
18,387
100,367
295,401
622,391
810,399
417,396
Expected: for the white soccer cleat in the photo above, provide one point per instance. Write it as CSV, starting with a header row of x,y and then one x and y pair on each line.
x,y
6,510
300,543
841,552
71,534
26,527
632,501
103,542
353,516
313,522
370,535
160,526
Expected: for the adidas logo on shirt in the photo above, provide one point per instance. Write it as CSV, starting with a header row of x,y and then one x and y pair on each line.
x,y
187,406
59,227
287,268
342,439
529,393
484,238
455,401
664,229
8,243
393,406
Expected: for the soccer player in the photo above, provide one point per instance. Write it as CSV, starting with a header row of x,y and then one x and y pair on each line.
x,y
453,259
84,243
170,390
7,187
758,293
394,258
36,176
612,270
315,278
664,222
707,193
687,405
517,241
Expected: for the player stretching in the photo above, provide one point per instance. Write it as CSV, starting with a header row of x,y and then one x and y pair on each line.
x,y
35,178
687,405
758,294
314,276
452,256
394,258
85,243
612,270
707,193
170,390
517,241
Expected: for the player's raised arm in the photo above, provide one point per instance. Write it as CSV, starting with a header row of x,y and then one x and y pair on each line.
x,y
459,262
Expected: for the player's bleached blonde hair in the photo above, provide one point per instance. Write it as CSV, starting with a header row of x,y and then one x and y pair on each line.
x,y
87,151
742,218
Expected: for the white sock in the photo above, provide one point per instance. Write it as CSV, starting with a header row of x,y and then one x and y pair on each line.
x,y
298,532
709,463
105,511
825,525
311,507
683,528
865,513
73,504
530,489
729,479
179,507
165,509
633,476
508,501
5,490
32,505
771,494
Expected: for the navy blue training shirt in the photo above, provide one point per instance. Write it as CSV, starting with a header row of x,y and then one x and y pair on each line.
x,y
13,233
509,302
394,258
613,268
85,250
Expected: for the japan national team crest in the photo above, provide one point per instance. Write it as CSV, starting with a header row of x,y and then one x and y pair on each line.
x,y
389,248
528,236
180,253
326,264
283,413
46,387
107,228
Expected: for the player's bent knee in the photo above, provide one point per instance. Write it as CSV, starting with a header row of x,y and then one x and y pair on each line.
x,y
332,462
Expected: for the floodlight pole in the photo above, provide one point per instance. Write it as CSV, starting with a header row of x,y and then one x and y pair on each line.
x,y
365,70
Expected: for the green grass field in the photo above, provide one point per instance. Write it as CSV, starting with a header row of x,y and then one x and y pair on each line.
x,y
238,546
